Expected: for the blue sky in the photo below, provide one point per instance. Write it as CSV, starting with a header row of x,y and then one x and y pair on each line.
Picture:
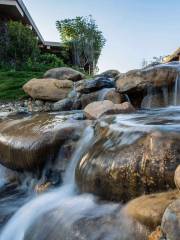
x,y
134,29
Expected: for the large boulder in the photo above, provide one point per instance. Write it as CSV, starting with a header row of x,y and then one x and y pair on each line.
x,y
28,143
92,85
63,73
138,84
148,210
95,110
156,76
171,221
48,89
127,161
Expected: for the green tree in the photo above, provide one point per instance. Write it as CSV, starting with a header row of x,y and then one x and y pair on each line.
x,y
84,40
18,44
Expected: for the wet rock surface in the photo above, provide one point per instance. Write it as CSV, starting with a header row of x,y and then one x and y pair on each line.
x,y
171,221
114,225
137,84
30,142
14,197
128,160
119,158
158,76
67,104
104,94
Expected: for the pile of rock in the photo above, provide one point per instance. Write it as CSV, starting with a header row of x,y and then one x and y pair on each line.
x,y
64,89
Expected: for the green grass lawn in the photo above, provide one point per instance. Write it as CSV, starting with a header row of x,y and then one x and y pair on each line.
x,y
11,83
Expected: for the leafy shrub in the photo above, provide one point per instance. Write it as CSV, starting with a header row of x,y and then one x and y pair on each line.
x,y
51,60
44,62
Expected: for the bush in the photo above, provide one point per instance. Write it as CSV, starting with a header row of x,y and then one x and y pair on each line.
x,y
18,44
44,62
50,60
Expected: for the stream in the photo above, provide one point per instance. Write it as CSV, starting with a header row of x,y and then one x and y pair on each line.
x,y
22,207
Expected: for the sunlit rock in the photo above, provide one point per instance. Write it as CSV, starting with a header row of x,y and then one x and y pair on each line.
x,y
127,161
136,83
30,142
148,210
64,73
157,76
48,89
95,110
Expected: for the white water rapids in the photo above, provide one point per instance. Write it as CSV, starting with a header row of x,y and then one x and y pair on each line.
x,y
74,206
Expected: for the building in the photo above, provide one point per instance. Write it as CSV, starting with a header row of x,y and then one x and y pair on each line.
x,y
173,57
16,10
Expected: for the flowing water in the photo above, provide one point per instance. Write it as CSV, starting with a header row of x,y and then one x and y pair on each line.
x,y
177,91
162,97
72,206
65,198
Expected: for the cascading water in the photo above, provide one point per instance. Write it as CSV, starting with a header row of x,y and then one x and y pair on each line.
x,y
67,206
162,97
2,176
177,91
65,198
103,93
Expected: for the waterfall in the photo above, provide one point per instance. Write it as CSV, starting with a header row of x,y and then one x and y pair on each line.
x,y
127,98
165,95
147,101
177,91
73,206
2,176
103,93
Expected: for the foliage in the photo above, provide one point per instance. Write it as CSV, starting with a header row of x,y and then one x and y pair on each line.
x,y
18,44
82,36
44,62
51,60
11,83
